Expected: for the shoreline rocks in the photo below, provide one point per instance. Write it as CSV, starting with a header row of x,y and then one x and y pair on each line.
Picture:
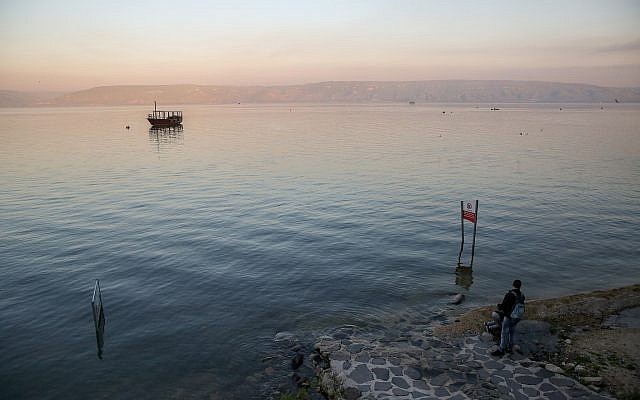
x,y
450,358
427,364
420,366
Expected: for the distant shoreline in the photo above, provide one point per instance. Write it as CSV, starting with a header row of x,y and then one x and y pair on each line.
x,y
504,106
418,92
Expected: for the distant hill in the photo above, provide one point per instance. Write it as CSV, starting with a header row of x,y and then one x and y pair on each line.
x,y
13,98
449,91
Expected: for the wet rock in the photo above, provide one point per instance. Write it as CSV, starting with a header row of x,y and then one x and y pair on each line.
x,y
553,368
315,358
296,361
299,380
594,380
580,369
457,299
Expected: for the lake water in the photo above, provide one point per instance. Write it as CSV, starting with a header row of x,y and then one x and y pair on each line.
x,y
256,220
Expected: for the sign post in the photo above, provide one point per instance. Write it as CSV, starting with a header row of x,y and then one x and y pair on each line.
x,y
468,211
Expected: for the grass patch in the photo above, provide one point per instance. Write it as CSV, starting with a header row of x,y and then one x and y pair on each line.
x,y
630,395
301,394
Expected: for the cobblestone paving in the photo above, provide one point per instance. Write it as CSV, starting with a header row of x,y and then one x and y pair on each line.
x,y
419,366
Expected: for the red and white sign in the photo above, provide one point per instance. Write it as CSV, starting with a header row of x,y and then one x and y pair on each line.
x,y
469,210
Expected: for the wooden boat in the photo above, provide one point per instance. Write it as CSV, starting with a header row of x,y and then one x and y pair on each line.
x,y
164,118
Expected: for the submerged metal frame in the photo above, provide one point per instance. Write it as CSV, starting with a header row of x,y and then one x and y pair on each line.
x,y
98,316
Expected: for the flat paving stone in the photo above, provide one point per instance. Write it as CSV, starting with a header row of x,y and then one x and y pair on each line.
x,y
555,396
382,386
547,387
442,392
399,392
440,380
543,373
562,381
394,361
420,385
529,380
361,374
504,373
413,373
381,373
520,396
493,365
400,382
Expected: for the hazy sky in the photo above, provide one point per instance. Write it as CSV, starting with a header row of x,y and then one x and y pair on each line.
x,y
69,44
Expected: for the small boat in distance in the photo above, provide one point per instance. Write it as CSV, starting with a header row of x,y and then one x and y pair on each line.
x,y
164,118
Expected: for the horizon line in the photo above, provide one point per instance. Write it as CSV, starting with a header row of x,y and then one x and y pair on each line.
x,y
317,83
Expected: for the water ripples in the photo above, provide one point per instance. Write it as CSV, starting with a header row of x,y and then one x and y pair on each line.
x,y
256,220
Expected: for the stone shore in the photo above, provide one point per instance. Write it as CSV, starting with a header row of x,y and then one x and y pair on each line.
x,y
417,365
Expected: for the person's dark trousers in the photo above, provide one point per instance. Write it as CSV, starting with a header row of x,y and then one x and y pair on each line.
x,y
506,337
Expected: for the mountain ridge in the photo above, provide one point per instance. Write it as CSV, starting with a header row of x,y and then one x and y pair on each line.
x,y
434,91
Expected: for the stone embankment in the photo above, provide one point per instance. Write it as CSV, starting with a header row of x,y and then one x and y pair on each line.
x,y
420,366
454,361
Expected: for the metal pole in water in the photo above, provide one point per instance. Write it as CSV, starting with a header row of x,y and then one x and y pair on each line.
x,y
462,225
475,224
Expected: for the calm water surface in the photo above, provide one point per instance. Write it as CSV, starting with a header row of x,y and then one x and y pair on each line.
x,y
259,219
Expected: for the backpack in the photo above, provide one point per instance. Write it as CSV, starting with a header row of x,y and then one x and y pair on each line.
x,y
518,308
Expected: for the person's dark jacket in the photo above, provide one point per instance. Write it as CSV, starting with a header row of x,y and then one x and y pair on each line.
x,y
509,301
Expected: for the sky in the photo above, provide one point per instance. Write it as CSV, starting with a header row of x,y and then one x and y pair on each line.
x,y
64,45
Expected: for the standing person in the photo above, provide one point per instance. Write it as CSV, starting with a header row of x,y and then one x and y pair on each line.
x,y
509,321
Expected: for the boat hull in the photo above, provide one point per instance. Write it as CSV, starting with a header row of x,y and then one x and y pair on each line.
x,y
164,122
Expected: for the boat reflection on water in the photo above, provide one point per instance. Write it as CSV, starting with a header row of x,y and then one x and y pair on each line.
x,y
166,135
